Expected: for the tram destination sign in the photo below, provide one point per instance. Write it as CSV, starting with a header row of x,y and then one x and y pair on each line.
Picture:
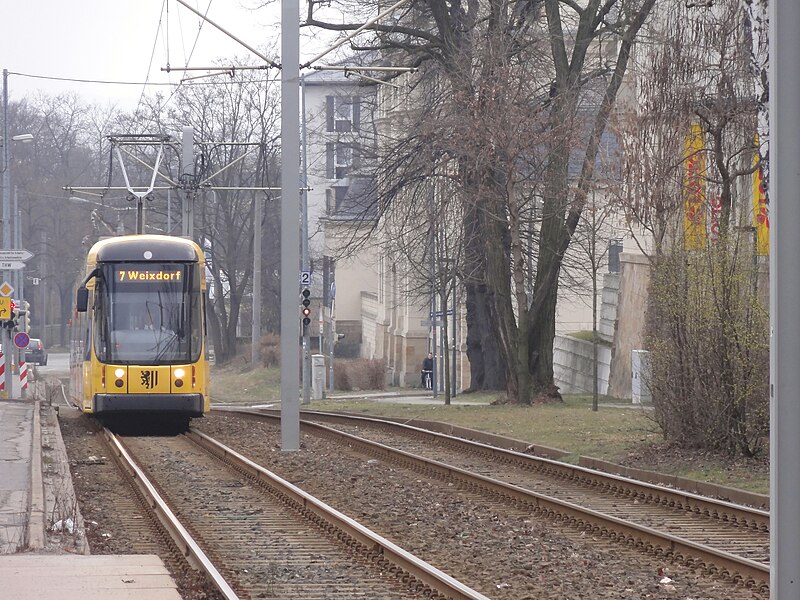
x,y
17,255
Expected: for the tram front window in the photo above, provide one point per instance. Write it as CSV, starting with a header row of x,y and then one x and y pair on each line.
x,y
148,313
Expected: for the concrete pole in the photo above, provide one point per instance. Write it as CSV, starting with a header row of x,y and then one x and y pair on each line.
x,y
187,171
455,330
20,285
304,243
432,245
290,225
255,344
43,275
6,333
784,183
18,245
15,244
6,175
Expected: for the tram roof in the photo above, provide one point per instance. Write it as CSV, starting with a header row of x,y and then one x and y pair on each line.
x,y
134,247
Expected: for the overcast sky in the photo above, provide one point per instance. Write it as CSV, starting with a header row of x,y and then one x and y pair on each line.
x,y
114,40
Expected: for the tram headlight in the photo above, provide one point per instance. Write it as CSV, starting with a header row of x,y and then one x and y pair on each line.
x,y
119,373
178,375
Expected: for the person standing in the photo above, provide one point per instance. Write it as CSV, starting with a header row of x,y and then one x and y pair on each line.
x,y
427,371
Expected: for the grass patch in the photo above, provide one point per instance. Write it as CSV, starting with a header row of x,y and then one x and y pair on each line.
x,y
240,384
619,432
571,426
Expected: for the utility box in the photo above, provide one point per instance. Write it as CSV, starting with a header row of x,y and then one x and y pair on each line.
x,y
640,376
317,376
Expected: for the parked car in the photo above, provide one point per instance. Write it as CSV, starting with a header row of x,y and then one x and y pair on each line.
x,y
35,352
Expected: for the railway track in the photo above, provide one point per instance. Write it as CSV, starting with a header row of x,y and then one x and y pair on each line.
x,y
256,535
723,539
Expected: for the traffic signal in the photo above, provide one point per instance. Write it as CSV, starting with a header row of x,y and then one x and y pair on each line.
x,y
11,322
306,310
26,316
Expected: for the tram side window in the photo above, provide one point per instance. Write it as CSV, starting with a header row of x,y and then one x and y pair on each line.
x,y
196,323
100,318
86,342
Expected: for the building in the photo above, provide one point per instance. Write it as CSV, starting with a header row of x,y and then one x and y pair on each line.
x,y
338,141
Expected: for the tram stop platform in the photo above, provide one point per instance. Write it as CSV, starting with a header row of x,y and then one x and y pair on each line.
x,y
34,492
75,577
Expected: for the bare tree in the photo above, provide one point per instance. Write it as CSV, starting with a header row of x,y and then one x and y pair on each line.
x,y
237,122
61,153
516,74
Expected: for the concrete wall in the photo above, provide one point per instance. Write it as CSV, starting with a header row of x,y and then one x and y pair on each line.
x,y
573,365
629,333
369,334
609,301
355,274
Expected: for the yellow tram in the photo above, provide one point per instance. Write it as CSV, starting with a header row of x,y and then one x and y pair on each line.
x,y
138,342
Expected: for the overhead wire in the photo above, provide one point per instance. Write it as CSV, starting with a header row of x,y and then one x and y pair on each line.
x,y
152,54
191,52
165,39
83,80
112,82
197,37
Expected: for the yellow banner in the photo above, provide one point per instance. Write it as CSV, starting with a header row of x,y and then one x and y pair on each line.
x,y
760,209
694,191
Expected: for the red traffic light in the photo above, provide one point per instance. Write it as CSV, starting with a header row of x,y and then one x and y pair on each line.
x,y
13,305
306,311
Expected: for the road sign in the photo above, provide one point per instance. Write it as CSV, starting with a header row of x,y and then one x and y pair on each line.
x,y
19,254
5,308
22,339
431,323
6,289
11,265
305,278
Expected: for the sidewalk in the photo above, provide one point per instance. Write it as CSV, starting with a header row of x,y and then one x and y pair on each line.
x,y
36,565
16,431
408,396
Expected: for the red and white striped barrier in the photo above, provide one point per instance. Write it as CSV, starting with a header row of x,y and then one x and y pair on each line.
x,y
23,375
2,372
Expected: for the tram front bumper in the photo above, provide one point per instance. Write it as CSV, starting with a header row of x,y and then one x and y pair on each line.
x,y
189,404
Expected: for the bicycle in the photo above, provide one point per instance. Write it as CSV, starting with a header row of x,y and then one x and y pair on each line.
x,y
427,379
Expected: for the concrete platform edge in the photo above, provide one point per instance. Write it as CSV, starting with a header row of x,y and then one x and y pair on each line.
x,y
36,519
81,541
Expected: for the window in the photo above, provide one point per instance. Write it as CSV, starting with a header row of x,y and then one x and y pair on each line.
x,y
148,313
343,113
338,159
330,202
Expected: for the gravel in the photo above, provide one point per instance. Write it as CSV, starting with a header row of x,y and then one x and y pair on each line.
x,y
499,550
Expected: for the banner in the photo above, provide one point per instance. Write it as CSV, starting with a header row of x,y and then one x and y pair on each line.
x,y
694,191
760,209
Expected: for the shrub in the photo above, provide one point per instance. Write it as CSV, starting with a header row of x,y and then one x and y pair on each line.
x,y
341,377
359,374
708,338
270,346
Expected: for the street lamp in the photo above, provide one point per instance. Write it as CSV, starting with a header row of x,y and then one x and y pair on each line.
x,y
23,138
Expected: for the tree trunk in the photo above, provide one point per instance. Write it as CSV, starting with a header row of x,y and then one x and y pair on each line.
x,y
486,369
542,319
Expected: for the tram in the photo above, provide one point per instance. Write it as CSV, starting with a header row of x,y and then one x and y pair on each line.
x,y
137,341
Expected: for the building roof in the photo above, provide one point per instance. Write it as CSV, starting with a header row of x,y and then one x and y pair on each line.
x,y
359,202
